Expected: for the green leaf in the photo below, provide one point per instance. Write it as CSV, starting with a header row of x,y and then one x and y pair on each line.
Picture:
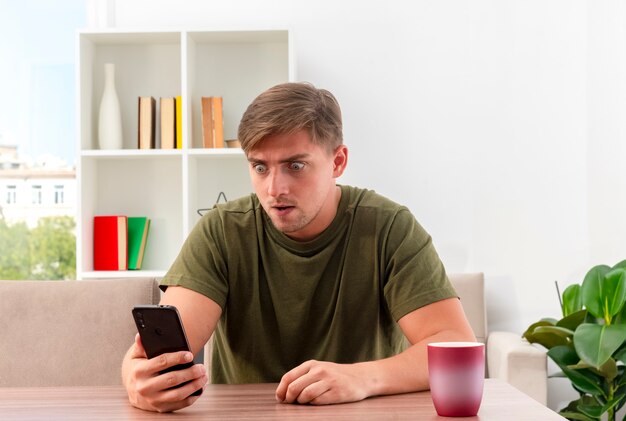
x,y
542,322
572,300
592,290
563,356
576,416
585,381
590,407
550,320
596,343
614,291
572,412
612,403
560,331
594,409
621,317
551,336
572,321
620,265
621,355
548,340
608,370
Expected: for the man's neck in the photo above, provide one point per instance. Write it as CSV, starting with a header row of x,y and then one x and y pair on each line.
x,y
327,214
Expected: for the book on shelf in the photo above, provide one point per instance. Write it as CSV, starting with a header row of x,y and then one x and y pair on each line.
x,y
110,242
179,122
207,121
218,122
212,122
168,123
138,228
146,125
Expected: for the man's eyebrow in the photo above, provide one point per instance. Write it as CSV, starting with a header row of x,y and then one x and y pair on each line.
x,y
296,157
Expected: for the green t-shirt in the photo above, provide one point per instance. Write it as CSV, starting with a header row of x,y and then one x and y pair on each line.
x,y
335,298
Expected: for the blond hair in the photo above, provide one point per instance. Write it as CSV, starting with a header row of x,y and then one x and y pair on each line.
x,y
288,108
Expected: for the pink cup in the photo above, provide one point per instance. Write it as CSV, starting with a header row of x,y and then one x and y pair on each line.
x,y
456,371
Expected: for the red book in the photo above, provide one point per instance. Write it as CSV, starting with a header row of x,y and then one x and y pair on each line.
x,y
110,244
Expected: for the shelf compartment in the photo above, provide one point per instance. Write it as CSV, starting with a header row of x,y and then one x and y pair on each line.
x,y
135,187
236,66
146,64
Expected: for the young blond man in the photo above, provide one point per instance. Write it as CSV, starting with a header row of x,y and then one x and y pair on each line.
x,y
306,283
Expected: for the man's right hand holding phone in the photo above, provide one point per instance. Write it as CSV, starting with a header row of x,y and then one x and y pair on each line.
x,y
150,390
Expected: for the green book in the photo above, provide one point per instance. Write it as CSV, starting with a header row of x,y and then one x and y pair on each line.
x,y
138,227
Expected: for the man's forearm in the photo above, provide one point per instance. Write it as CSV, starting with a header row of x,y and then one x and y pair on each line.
x,y
407,371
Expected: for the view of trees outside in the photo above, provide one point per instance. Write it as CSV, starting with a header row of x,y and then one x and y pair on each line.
x,y
47,251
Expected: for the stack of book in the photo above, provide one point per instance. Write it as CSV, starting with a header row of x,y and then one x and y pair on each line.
x,y
170,122
119,242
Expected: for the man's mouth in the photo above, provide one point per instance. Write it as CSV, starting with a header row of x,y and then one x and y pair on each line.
x,y
281,208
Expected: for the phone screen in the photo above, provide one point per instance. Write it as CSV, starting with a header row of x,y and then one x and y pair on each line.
x,y
161,331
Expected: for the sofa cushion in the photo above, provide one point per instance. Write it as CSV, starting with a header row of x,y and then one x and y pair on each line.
x,y
66,333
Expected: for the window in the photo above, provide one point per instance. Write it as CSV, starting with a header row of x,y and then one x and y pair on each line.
x,y
36,189
58,195
37,137
11,195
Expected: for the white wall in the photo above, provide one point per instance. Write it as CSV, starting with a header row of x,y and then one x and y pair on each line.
x,y
500,123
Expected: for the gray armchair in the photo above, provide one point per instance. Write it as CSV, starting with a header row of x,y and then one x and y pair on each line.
x,y
62,333
68,333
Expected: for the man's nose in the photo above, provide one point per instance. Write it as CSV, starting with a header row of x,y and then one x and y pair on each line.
x,y
277,184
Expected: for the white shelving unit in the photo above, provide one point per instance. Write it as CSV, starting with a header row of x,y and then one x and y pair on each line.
x,y
168,186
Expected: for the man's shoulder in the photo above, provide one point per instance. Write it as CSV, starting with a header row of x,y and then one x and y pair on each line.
x,y
244,204
360,198
237,211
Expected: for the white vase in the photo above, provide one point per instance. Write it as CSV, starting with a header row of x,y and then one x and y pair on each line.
x,y
110,119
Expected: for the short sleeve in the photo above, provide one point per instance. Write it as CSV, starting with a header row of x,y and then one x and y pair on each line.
x,y
415,275
200,265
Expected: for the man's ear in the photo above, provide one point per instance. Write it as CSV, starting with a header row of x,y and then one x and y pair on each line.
x,y
340,160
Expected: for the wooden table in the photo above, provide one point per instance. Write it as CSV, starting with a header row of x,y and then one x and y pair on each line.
x,y
254,402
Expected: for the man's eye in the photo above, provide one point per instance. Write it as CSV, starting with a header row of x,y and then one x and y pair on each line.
x,y
296,166
260,168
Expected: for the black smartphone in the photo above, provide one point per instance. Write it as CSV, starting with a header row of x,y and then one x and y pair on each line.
x,y
161,331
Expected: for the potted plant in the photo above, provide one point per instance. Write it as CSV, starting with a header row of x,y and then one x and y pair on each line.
x,y
589,342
